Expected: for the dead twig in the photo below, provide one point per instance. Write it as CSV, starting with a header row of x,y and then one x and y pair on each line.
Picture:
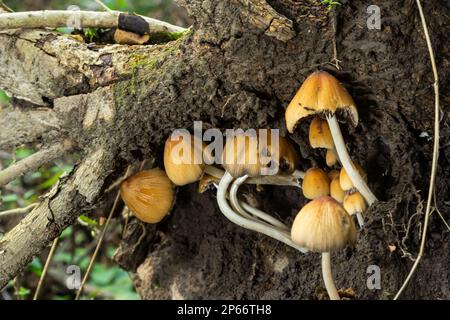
x,y
45,270
435,151
34,161
104,6
18,211
100,241
79,19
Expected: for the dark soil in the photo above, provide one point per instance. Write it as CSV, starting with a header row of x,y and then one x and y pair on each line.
x,y
247,80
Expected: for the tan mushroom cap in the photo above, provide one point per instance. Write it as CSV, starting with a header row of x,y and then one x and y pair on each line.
x,y
181,164
336,191
148,194
241,155
287,156
323,225
320,93
333,174
331,158
346,182
315,183
247,150
354,203
320,135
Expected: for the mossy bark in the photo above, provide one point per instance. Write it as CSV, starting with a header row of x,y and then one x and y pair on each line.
x,y
239,67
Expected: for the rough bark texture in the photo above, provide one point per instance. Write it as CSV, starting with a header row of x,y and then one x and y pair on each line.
x,y
239,67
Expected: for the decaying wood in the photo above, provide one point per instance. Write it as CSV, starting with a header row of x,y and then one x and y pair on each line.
x,y
238,67
75,19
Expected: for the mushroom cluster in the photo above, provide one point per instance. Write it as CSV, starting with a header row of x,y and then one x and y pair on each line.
x,y
324,224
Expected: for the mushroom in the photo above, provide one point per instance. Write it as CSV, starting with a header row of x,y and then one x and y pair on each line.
x,y
183,158
320,137
284,155
241,159
355,204
358,204
315,183
336,191
331,158
345,181
333,173
148,194
323,225
322,94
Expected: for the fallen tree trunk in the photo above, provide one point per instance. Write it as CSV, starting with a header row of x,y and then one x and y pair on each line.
x,y
239,67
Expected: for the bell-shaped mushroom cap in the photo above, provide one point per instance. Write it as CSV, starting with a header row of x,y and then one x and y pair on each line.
x,y
183,159
315,183
354,203
323,225
331,158
148,194
320,135
336,191
346,182
287,156
320,93
241,155
333,174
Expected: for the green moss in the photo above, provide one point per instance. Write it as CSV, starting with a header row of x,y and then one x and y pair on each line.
x,y
163,37
142,67
142,60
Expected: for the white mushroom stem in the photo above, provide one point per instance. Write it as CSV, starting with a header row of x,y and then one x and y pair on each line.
x,y
276,180
328,277
360,219
346,161
257,226
254,211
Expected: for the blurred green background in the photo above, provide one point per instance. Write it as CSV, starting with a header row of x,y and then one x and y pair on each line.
x,y
77,243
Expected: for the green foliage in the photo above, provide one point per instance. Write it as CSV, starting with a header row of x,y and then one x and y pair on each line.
x,y
22,292
330,4
35,267
91,34
4,99
88,221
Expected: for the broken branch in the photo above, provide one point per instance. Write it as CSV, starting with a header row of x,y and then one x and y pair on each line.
x,y
77,19
33,162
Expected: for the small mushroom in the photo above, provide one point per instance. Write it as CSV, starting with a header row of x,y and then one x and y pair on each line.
x,y
320,137
355,204
240,160
183,159
323,225
345,181
148,194
331,158
315,183
336,191
333,173
322,94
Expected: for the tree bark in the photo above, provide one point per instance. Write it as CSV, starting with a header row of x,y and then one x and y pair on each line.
x,y
239,67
